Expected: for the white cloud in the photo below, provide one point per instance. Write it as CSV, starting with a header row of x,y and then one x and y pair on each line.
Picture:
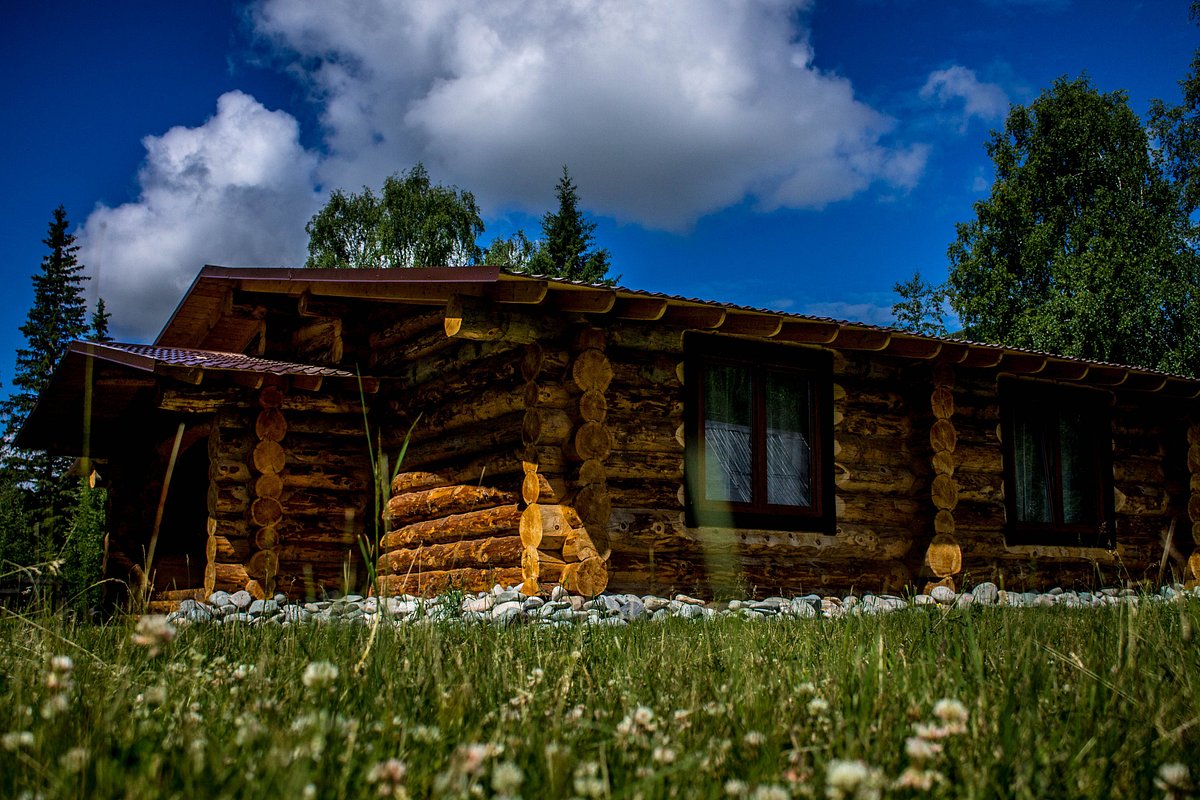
x,y
663,111
870,313
236,190
955,84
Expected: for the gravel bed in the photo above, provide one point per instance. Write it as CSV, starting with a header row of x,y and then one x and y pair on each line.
x,y
508,606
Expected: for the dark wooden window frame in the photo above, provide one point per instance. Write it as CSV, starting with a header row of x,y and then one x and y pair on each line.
x,y
1017,396
816,367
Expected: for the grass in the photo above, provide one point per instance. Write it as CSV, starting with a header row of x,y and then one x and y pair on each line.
x,y
1060,703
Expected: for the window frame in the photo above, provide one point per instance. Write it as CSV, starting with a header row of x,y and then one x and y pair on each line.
x,y
1015,395
816,367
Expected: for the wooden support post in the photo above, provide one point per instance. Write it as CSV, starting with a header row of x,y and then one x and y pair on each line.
x,y
943,556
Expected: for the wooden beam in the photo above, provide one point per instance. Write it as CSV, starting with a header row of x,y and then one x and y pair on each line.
x,y
808,331
1107,375
1065,370
528,292
399,292
1023,363
308,383
1182,388
192,375
1143,382
644,308
982,357
251,380
954,352
914,347
765,326
583,301
861,339
699,317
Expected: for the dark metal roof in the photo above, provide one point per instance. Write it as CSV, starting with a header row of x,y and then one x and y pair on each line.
x,y
148,356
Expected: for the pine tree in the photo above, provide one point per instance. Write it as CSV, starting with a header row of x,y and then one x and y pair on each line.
x,y
58,317
100,318
567,241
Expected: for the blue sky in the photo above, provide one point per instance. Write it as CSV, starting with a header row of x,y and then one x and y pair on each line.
x,y
800,156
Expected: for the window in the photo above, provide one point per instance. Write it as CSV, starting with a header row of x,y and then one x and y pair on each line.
x,y
1058,465
759,425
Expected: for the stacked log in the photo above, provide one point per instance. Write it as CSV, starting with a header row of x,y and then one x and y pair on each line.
x,y
943,555
229,541
1193,463
442,536
266,512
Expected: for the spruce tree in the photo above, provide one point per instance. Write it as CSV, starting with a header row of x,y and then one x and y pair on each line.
x,y
100,318
58,317
567,241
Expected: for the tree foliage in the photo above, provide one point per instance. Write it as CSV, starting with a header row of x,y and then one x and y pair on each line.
x,y
58,317
515,252
567,249
1176,132
920,306
1080,249
412,223
100,318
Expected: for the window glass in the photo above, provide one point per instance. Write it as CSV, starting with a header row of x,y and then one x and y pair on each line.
x,y
1033,463
789,454
1077,452
728,451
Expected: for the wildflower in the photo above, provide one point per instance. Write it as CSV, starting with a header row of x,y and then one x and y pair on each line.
x,y
587,780
953,713
921,749
771,792
736,788
806,688
388,778
62,664
851,779
664,755
754,738
472,756
15,740
1174,779
507,778
319,674
919,779
74,760
931,732
818,706
152,632
643,716
56,704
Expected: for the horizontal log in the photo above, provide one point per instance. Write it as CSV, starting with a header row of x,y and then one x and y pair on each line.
x,y
400,354
226,550
348,426
487,522
865,424
545,426
227,498
202,401
590,371
633,369
319,342
475,319
666,495
590,441
632,402
450,361
405,482
495,435
647,336
427,504
303,502
644,434
229,470
868,508
546,364
626,464
470,408
225,577
348,402
315,477
491,551
434,583
587,578
879,479
403,326
226,444
268,485
979,486
851,449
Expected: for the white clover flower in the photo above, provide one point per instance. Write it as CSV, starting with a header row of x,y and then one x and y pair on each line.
x,y
664,755
806,688
818,706
319,674
736,788
587,780
507,778
953,713
74,760
921,780
754,738
1174,779
152,632
15,740
643,716
155,695
62,664
930,732
845,779
771,792
919,748
388,778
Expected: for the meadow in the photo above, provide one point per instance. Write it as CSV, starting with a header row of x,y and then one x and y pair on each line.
x,y
966,703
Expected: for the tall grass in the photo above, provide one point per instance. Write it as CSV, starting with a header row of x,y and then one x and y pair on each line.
x,y
1061,703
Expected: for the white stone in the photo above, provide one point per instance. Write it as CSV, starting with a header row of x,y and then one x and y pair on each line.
x,y
943,594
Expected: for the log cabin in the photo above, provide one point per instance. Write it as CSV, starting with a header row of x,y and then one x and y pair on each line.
x,y
457,428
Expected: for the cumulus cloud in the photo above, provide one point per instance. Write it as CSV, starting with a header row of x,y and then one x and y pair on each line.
x,y
956,84
236,190
663,111
868,312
